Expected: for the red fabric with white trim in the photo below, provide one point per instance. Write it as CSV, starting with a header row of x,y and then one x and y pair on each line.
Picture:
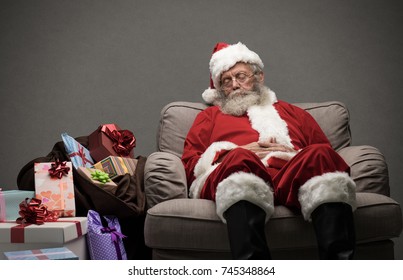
x,y
314,158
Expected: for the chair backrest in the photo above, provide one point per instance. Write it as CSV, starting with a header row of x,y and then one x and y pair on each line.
x,y
177,118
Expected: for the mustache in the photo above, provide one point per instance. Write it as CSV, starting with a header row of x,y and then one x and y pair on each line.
x,y
240,93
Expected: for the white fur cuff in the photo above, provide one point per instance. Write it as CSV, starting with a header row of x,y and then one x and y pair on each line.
x,y
280,155
244,186
206,160
329,187
198,183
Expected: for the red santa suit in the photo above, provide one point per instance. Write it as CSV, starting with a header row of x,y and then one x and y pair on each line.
x,y
304,179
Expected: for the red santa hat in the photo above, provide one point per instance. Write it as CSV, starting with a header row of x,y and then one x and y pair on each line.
x,y
224,57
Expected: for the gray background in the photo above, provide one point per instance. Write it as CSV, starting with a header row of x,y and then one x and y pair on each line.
x,y
69,66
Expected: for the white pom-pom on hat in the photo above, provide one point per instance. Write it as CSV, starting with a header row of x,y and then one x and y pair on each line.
x,y
210,95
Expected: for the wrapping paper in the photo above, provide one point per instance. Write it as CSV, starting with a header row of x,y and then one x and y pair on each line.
x,y
9,203
62,231
79,155
104,238
116,166
57,194
60,253
110,140
86,173
65,232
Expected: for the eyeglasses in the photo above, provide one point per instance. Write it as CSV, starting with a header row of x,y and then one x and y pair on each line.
x,y
240,78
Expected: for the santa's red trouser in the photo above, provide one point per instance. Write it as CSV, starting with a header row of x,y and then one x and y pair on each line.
x,y
311,161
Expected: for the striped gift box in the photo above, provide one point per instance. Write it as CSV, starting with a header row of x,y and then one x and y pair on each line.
x,y
116,166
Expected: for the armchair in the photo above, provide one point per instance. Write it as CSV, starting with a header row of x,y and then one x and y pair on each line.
x,y
177,227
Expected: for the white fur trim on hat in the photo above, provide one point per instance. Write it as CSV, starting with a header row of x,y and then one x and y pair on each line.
x,y
225,58
244,186
329,187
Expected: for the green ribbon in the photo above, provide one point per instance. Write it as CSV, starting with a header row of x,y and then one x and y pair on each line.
x,y
100,176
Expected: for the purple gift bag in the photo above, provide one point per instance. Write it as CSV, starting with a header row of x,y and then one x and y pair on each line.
x,y
104,237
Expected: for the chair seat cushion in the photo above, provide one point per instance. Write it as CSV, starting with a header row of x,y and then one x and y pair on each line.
x,y
192,224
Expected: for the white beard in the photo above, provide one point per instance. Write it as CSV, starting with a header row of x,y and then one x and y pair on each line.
x,y
239,101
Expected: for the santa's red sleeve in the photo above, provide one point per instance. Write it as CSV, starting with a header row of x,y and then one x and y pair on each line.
x,y
196,142
300,120
200,153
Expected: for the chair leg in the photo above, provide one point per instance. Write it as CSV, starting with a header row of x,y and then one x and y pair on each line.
x,y
246,231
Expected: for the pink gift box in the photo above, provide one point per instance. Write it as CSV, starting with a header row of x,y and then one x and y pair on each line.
x,y
57,194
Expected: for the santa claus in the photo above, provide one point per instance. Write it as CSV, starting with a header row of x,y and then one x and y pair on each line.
x,y
250,151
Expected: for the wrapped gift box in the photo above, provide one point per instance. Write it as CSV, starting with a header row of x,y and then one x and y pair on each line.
x,y
79,155
110,140
61,253
86,173
105,238
67,232
116,166
57,194
9,203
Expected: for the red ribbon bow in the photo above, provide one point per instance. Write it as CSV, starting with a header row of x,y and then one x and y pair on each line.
x,y
32,211
124,140
58,169
80,154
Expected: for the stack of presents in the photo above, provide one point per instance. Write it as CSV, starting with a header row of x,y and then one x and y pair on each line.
x,y
42,224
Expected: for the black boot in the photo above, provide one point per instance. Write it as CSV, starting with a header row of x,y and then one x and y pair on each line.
x,y
335,232
245,224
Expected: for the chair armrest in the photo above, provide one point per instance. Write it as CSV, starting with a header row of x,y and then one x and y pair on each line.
x,y
164,178
368,168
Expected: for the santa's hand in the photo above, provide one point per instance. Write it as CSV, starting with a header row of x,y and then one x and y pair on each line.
x,y
253,147
263,148
259,150
256,148
272,146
